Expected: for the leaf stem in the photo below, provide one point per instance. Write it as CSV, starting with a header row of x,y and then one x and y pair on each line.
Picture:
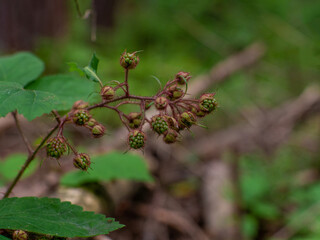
x,y
24,138
27,162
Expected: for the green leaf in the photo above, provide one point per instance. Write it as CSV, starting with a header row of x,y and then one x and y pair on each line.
x,y
30,103
67,88
93,64
111,166
10,167
4,238
22,68
53,217
91,69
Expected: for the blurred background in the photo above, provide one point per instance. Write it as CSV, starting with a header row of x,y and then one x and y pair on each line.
x,y
253,174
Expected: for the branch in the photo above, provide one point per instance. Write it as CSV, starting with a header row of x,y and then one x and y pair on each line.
x,y
27,162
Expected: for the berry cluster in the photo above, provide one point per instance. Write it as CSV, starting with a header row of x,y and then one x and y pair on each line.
x,y
174,113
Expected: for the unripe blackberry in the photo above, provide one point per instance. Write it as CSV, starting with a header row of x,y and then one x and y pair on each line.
x,y
98,131
170,136
159,124
82,161
187,119
56,147
136,139
208,102
134,119
161,103
19,235
80,117
107,93
80,105
182,77
129,60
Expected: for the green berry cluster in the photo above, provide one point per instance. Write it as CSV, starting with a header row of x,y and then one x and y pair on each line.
x,y
207,102
136,139
82,161
56,147
159,124
80,117
129,60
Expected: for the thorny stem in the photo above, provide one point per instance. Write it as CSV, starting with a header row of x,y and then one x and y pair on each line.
x,y
24,138
27,162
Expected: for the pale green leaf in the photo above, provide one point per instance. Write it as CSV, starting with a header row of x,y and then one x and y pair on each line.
x,y
10,167
110,166
21,67
30,103
52,217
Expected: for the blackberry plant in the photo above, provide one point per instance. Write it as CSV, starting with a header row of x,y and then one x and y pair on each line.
x,y
173,113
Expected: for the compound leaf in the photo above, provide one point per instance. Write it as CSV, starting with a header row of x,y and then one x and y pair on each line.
x,y
110,166
21,67
67,88
53,217
30,103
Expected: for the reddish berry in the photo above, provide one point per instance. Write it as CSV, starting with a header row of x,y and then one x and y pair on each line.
x,y
19,235
80,105
161,103
182,77
172,123
82,161
91,123
170,136
136,139
159,124
174,92
98,131
80,117
56,147
107,93
134,119
129,60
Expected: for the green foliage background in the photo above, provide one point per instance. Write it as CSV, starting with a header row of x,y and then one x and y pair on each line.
x,y
195,35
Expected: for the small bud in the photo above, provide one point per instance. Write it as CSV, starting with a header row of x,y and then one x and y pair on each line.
x,y
174,92
19,235
136,139
91,123
129,60
170,136
98,131
80,117
161,103
107,93
80,105
159,124
82,161
172,123
182,77
208,102
56,147
198,112
187,119
134,119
